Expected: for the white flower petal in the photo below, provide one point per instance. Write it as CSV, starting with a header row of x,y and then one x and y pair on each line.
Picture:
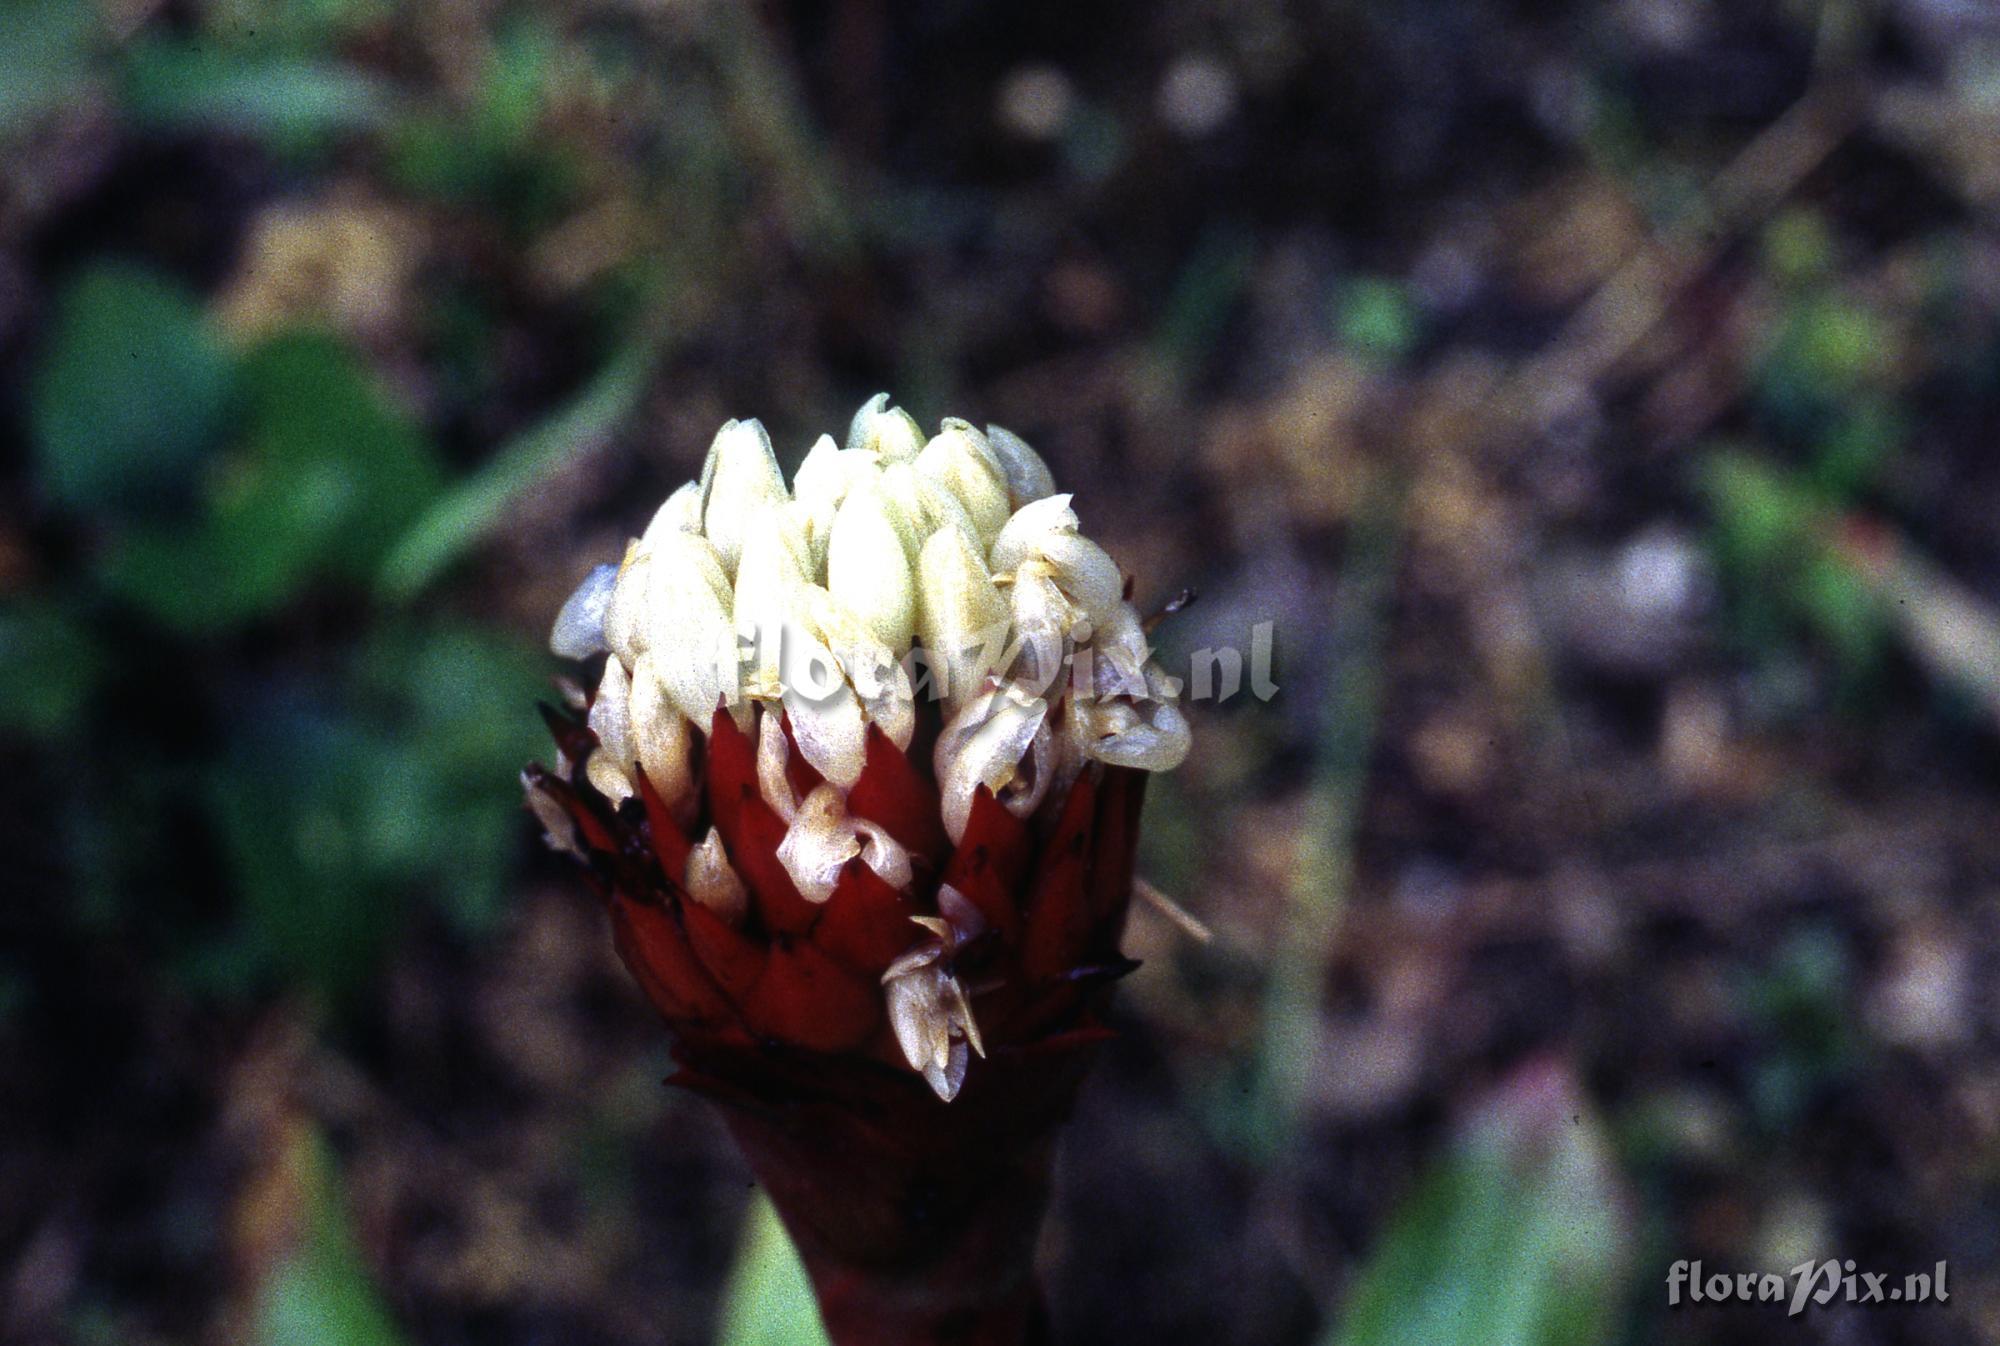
x,y
888,857
828,723
610,766
1028,477
744,475
819,843
1158,739
1022,536
1000,740
1086,572
579,629
947,1079
868,567
773,751
917,1017
960,460
961,915
1043,618
890,432
961,616
680,514
713,882
558,828
662,738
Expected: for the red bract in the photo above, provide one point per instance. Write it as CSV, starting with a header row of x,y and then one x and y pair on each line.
x,y
915,1217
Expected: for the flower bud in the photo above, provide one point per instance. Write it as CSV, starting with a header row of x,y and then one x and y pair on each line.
x,y
1028,477
827,720
558,828
774,566
1043,618
929,1014
609,768
871,668
960,460
579,629
626,610
1046,531
1144,735
680,514
764,880
890,432
1021,536
742,473
688,630
821,484
818,844
868,566
960,615
662,738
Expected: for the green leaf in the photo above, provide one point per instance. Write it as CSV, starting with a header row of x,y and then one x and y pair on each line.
x,y
50,666
343,807
313,810
769,1300
1857,447
1763,517
1377,319
1844,612
330,473
1518,1237
1784,575
293,102
458,696
129,394
474,507
323,1294
321,427
1799,248
1828,351
45,57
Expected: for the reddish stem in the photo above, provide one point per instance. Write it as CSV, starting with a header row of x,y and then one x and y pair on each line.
x,y
916,1219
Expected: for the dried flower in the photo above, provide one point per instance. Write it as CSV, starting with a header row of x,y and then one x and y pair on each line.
x,y
860,782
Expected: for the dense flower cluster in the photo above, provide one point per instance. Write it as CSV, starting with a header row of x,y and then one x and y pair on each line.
x,y
816,693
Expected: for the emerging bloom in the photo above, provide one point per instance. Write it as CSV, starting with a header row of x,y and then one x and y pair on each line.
x,y
840,724
860,782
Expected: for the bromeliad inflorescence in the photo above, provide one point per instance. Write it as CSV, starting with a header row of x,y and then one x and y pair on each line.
x,y
860,782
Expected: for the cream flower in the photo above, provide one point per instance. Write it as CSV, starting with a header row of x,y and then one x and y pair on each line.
x,y
893,578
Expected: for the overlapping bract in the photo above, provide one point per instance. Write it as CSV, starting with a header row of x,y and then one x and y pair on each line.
x,y
862,769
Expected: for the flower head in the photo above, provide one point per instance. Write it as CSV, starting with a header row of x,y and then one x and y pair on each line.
x,y
861,773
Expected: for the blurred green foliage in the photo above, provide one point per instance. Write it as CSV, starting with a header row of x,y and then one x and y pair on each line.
x,y
1798,1005
222,491
1376,319
769,1300
46,49
131,390
295,103
322,1294
326,477
1518,1236
1823,394
50,666
1783,576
